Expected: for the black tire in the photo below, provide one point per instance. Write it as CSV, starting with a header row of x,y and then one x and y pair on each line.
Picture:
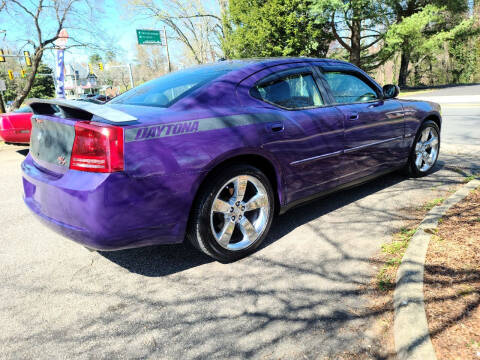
x,y
411,168
199,231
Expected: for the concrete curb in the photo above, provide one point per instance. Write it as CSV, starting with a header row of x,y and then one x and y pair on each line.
x,y
412,338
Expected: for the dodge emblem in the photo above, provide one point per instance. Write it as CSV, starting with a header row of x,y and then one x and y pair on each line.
x,y
61,160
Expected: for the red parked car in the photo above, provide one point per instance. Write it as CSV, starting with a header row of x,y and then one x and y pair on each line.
x,y
15,127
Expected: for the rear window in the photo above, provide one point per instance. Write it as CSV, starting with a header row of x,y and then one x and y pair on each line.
x,y
22,110
168,89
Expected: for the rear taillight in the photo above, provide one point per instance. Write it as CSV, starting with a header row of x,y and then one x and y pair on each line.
x,y
97,148
5,123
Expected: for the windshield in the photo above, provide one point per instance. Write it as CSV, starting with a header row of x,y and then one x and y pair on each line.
x,y
168,89
25,109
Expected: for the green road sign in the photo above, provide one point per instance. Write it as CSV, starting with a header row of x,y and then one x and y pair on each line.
x,y
149,37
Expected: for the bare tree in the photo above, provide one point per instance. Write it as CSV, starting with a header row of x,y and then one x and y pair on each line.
x,y
150,63
198,28
46,18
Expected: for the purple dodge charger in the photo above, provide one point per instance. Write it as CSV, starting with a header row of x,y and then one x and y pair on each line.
x,y
211,154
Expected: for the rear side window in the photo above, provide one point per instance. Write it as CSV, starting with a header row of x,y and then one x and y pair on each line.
x,y
348,88
168,89
290,91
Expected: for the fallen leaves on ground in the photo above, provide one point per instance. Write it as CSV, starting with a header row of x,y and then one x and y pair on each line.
x,y
452,282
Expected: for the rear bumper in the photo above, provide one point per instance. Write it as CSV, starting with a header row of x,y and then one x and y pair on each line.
x,y
106,211
15,135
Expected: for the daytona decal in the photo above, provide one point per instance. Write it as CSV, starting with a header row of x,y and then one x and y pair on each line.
x,y
166,130
194,126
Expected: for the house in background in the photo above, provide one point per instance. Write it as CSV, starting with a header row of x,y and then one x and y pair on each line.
x,y
79,81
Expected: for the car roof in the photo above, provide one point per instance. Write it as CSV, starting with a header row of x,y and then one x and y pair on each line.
x,y
236,64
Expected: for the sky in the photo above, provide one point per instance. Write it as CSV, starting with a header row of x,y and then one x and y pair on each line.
x,y
118,28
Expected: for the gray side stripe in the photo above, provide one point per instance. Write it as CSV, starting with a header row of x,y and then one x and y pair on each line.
x,y
193,126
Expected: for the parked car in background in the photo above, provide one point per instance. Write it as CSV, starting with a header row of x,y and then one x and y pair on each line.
x,y
15,126
96,99
210,154
102,98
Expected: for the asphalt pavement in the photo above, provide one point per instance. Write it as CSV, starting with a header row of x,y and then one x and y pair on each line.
x,y
460,110
301,296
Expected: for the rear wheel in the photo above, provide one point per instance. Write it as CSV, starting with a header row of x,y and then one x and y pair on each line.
x,y
233,214
426,147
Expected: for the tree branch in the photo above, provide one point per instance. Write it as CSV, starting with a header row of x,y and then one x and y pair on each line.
x,y
337,36
365,47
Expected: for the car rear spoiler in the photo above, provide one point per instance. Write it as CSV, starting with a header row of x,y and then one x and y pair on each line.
x,y
78,110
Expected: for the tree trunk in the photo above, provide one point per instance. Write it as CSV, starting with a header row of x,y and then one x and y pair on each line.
x,y
402,76
356,43
476,12
37,57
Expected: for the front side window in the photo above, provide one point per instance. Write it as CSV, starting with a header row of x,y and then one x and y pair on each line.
x,y
348,88
168,89
291,91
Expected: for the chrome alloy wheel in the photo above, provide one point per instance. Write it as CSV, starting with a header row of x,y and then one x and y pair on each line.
x,y
240,212
426,149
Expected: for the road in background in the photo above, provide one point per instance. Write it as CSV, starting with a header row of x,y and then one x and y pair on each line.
x,y
466,90
301,296
461,115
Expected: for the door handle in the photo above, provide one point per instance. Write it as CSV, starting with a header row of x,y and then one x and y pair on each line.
x,y
353,116
276,127
377,104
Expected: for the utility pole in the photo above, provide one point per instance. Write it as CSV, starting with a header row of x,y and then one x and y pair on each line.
x,y
131,75
76,82
2,104
166,48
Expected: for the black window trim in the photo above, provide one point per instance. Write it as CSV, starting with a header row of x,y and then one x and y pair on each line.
x,y
323,69
303,69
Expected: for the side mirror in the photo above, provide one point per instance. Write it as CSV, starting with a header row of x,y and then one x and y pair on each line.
x,y
390,91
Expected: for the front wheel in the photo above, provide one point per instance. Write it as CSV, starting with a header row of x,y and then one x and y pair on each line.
x,y
233,213
425,150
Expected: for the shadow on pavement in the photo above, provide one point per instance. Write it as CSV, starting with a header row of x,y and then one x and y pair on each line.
x,y
23,152
163,260
159,260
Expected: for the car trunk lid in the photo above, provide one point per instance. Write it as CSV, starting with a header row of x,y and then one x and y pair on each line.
x,y
56,125
51,142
